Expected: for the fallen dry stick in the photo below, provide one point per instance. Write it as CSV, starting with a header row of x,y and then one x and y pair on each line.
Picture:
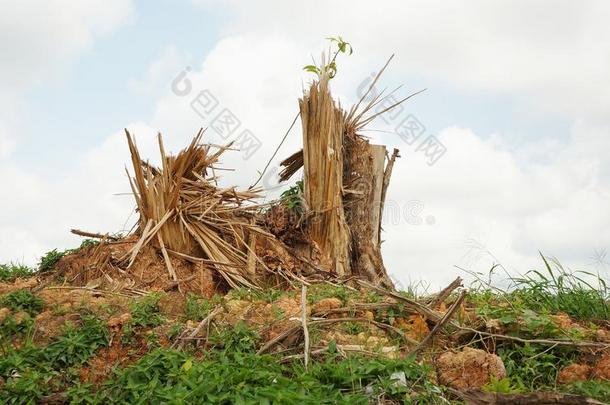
x,y
535,398
198,329
440,324
445,293
296,329
573,343
430,314
93,235
304,323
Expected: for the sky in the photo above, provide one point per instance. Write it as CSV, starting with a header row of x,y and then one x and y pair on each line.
x,y
517,105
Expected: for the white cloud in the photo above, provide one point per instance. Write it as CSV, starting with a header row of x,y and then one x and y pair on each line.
x,y
551,54
171,61
39,38
39,41
481,192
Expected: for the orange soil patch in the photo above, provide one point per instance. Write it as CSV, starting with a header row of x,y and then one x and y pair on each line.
x,y
104,266
469,368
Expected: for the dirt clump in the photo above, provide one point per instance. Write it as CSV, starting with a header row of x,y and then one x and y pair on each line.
x,y
601,371
414,326
574,373
19,284
326,305
172,304
4,313
116,323
469,368
50,325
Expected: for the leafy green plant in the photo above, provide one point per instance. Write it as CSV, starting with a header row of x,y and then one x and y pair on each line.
x,y
85,244
77,343
198,307
321,291
49,260
342,47
12,271
22,300
268,295
12,329
291,198
534,367
238,339
502,386
173,376
599,390
354,328
145,312
32,372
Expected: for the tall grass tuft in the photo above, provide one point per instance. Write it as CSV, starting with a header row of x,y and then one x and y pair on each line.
x,y
582,295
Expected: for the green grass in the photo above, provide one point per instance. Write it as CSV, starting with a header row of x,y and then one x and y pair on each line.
x,y
145,313
33,372
12,271
229,372
533,367
22,300
581,295
321,291
599,390
198,307
267,295
235,374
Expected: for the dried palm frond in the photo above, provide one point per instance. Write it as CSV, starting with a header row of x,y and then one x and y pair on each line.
x,y
182,212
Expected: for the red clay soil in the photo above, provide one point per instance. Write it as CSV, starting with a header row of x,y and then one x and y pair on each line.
x,y
104,266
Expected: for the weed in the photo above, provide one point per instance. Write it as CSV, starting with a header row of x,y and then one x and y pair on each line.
x,y
11,328
32,372
278,313
239,339
49,260
599,390
198,307
153,340
342,47
560,290
533,367
292,197
145,312
581,295
502,386
176,377
85,244
10,272
22,300
354,328
319,292
174,331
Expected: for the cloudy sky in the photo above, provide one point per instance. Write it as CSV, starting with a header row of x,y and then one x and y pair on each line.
x,y
518,96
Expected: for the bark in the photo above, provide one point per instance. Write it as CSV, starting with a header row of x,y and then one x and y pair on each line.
x,y
364,172
345,181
